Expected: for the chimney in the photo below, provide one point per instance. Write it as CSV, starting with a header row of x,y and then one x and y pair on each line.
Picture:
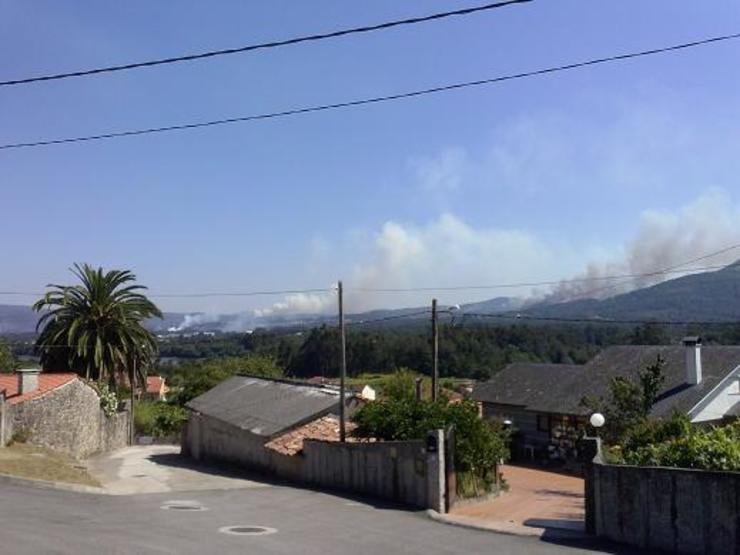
x,y
28,380
692,348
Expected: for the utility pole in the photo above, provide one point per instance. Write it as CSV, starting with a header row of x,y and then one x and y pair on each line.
x,y
131,430
435,351
342,366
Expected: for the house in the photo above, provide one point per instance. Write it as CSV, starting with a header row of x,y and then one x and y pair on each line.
x,y
543,401
58,411
156,389
242,418
291,431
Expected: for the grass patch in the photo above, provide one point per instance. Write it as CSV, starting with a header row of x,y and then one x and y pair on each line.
x,y
29,461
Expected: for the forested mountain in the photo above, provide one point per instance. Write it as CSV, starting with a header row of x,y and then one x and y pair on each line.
x,y
709,296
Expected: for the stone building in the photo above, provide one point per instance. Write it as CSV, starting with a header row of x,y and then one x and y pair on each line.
x,y
58,411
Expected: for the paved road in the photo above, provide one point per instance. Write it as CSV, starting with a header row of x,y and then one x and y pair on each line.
x,y
37,521
159,469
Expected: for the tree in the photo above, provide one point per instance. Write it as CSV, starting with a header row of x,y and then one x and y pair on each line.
x,y
96,328
197,378
630,401
479,444
7,360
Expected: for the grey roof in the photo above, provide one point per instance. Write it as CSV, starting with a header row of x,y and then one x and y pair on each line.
x,y
559,388
265,407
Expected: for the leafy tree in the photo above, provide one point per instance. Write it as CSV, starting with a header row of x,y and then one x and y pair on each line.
x,y
7,361
630,401
479,444
96,327
200,377
401,385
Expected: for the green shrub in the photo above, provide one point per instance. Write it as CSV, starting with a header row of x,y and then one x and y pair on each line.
x,y
158,418
715,448
479,444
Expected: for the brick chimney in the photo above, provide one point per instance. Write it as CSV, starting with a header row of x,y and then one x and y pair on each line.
x,y
28,380
692,348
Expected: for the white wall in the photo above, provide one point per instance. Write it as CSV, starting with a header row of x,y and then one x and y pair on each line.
x,y
719,401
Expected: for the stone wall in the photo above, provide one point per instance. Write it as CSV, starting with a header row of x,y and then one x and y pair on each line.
x,y
400,471
670,509
68,419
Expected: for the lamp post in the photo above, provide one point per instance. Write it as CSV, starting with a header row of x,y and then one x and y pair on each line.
x,y
597,420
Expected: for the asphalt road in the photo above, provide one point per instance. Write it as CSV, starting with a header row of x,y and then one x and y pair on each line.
x,y
36,521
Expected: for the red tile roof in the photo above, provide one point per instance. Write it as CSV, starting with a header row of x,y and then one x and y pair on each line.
x,y
154,384
47,382
291,443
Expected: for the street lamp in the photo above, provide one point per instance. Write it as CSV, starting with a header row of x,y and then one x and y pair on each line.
x,y
597,420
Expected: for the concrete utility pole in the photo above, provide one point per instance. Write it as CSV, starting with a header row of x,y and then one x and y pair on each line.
x,y
435,351
342,366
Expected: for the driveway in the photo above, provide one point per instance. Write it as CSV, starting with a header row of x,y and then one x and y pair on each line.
x,y
159,469
537,501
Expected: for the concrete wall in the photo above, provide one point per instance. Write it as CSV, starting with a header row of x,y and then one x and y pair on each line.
x,y
669,509
68,419
400,471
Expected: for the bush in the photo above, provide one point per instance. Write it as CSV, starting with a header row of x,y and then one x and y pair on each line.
x,y
159,419
108,398
479,444
676,442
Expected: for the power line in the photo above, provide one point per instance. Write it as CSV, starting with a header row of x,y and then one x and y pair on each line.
x,y
603,320
266,45
389,318
372,100
201,295
697,269
670,269
532,283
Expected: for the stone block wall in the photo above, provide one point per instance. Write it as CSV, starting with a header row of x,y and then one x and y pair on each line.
x,y
667,509
68,419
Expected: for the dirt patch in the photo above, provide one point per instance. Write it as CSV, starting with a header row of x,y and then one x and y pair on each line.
x,y
29,461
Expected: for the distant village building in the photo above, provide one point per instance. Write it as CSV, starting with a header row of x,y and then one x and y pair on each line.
x,y
543,401
58,411
156,388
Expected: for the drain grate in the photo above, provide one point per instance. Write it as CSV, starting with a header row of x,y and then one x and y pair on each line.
x,y
183,506
247,530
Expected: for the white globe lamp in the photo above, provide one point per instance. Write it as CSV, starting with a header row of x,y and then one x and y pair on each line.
x,y
597,420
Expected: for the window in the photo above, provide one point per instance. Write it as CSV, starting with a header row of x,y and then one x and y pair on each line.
x,y
543,423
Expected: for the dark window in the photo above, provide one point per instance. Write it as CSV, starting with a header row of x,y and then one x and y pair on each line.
x,y
543,423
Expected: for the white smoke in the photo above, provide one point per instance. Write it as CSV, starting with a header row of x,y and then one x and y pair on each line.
x,y
191,320
664,240
300,303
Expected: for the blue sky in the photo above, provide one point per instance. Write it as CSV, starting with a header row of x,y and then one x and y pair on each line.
x,y
523,181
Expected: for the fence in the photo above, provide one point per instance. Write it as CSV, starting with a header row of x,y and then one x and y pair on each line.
x,y
670,509
407,472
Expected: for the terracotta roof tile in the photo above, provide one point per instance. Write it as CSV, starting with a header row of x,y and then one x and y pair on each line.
x,y
47,382
154,384
291,443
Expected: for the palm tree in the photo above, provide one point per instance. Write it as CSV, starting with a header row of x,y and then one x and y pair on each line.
x,y
96,327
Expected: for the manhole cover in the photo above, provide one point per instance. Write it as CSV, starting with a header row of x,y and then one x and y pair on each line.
x,y
183,506
247,530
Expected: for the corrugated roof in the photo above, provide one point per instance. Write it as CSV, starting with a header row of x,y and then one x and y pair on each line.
x,y
264,407
559,388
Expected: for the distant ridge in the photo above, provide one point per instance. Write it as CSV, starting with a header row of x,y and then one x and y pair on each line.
x,y
709,296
